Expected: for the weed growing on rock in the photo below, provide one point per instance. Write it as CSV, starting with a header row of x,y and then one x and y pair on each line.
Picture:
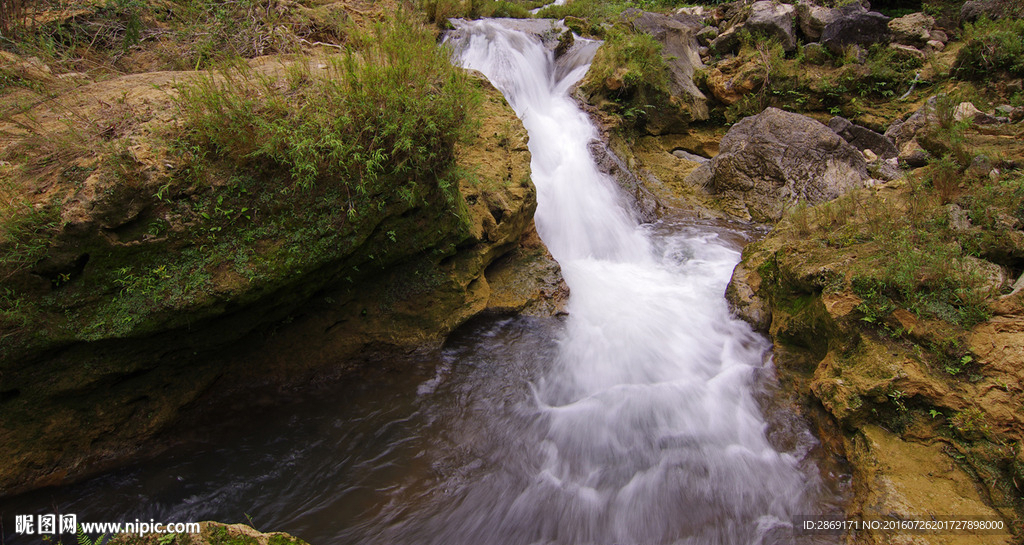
x,y
630,69
991,46
395,107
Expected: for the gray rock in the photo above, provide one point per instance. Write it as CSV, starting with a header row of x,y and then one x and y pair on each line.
x,y
938,36
935,45
701,176
700,12
863,138
980,166
774,20
644,204
775,159
966,111
856,28
885,170
726,42
913,29
680,50
706,35
687,156
744,302
958,218
915,158
904,133
973,10
812,19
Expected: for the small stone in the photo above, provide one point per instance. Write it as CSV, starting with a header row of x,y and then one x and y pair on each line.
x,y
916,159
936,45
869,156
687,156
938,36
707,35
812,19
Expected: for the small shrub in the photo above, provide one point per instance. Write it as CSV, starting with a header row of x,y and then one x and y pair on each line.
x,y
991,46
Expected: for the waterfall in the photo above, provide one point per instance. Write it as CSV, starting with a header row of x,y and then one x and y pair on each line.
x,y
636,421
646,429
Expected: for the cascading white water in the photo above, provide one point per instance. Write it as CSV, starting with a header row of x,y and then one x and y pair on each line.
x,y
633,423
647,425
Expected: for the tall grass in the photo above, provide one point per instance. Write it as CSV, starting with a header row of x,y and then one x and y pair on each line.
x,y
991,46
389,110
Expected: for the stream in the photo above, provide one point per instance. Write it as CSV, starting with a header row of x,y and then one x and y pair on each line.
x,y
636,420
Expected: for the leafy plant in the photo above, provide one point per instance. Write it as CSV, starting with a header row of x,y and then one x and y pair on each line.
x,y
84,539
991,46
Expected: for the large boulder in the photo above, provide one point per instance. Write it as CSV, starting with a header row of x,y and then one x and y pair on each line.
x,y
678,38
773,160
862,28
773,20
913,29
812,19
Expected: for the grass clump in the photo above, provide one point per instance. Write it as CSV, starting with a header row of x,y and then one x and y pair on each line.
x,y
629,69
393,109
991,46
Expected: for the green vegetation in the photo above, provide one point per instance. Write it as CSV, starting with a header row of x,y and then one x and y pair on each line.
x,y
182,34
211,534
439,11
825,83
991,46
394,112
278,171
630,70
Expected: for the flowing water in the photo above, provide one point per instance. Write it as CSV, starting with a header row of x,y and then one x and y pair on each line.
x,y
636,420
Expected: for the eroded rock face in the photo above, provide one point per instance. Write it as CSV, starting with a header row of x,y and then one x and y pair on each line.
x,y
732,79
776,159
904,134
401,279
678,37
920,441
975,9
